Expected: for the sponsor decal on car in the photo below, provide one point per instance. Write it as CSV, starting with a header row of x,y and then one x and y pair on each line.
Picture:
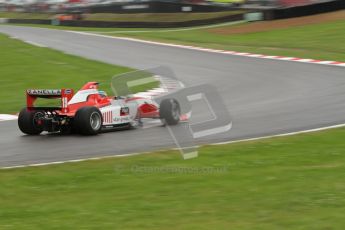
x,y
124,111
121,119
68,91
44,92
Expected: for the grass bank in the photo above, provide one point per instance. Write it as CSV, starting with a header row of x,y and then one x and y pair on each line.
x,y
26,66
322,40
292,182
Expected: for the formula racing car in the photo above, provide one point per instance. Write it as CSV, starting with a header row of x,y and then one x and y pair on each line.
x,y
90,110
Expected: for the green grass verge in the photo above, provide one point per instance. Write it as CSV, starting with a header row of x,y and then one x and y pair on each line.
x,y
20,15
324,41
140,17
292,182
26,66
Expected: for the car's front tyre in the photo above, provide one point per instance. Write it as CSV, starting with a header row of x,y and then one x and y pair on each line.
x,y
170,111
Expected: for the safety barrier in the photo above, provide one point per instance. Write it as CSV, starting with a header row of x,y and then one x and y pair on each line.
x,y
111,24
305,10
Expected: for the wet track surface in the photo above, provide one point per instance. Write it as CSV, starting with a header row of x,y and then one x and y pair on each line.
x,y
263,96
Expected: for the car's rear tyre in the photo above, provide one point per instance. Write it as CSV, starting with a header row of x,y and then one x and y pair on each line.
x,y
28,121
169,111
88,121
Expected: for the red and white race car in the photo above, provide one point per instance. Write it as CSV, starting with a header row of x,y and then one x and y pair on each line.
x,y
89,111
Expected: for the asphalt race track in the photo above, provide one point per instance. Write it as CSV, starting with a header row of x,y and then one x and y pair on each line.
x,y
263,96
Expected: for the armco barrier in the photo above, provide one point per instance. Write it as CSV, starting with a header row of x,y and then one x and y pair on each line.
x,y
29,21
306,10
105,24
272,14
110,24
152,7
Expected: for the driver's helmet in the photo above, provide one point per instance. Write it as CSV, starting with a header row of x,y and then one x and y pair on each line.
x,y
102,93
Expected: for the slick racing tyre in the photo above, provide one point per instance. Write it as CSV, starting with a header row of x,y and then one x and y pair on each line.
x,y
169,111
88,121
29,121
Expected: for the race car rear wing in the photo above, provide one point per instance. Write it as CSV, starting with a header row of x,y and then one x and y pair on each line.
x,y
65,95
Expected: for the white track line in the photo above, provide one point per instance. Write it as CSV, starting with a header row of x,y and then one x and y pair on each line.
x,y
72,161
7,117
282,135
227,52
134,154
35,44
